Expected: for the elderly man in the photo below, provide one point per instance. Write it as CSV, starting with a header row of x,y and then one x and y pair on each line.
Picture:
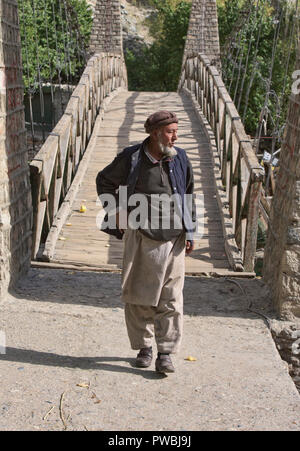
x,y
153,262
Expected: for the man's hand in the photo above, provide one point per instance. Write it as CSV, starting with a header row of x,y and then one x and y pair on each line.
x,y
189,246
118,220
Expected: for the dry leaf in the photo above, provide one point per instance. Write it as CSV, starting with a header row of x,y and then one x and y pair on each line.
x,y
191,359
83,385
62,238
68,224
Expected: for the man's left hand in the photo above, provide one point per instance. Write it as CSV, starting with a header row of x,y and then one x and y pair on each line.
x,y
189,246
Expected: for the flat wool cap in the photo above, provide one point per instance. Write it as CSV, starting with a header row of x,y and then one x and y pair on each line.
x,y
159,119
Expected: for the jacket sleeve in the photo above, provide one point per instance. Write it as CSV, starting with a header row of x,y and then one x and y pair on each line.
x,y
190,189
112,176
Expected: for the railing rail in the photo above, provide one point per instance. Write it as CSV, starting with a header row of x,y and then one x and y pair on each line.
x,y
240,176
55,165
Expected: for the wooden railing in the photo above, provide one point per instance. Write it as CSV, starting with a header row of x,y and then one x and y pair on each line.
x,y
55,165
238,173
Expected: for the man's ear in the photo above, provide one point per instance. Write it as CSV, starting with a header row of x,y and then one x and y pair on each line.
x,y
158,132
154,134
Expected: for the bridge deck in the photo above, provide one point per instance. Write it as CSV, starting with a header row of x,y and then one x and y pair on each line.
x,y
80,241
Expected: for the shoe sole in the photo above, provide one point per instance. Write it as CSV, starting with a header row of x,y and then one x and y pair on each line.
x,y
165,371
142,366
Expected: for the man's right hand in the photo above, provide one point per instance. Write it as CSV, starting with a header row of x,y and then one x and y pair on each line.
x,y
118,220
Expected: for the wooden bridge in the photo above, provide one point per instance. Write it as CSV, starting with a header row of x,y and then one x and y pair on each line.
x,y
101,119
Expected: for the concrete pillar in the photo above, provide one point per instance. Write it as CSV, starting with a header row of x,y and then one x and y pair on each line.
x,y
282,252
203,31
106,33
15,193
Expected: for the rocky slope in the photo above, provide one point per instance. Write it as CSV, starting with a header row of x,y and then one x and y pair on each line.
x,y
135,30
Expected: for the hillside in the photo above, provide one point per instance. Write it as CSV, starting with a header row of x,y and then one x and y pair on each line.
x,y
135,30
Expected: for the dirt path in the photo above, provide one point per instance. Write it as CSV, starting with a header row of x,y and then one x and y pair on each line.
x,y
68,364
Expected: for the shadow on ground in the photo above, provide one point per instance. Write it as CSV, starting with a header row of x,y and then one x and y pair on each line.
x,y
203,296
84,363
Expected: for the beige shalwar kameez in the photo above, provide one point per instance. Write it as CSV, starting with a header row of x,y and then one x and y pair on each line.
x,y
152,285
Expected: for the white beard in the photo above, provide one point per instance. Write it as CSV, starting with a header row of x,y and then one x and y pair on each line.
x,y
166,150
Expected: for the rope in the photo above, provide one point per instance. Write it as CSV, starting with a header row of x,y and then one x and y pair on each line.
x,y
239,46
49,56
254,69
42,104
248,55
242,54
269,81
28,80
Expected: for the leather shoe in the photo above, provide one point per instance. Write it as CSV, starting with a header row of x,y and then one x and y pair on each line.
x,y
163,364
144,358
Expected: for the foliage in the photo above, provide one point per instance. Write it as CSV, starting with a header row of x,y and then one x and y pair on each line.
x,y
257,67
157,67
54,35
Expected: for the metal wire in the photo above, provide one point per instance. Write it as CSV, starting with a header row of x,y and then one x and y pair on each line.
x,y
54,53
244,63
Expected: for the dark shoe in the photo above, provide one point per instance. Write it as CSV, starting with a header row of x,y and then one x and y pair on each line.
x,y
163,364
144,358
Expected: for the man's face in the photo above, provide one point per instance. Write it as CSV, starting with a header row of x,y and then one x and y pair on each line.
x,y
168,135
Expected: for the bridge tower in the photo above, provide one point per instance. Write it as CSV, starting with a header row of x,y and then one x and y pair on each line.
x,y
106,33
15,195
282,251
203,31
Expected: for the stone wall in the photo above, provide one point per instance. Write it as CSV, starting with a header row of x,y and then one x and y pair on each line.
x,y
287,339
282,252
203,31
15,197
106,33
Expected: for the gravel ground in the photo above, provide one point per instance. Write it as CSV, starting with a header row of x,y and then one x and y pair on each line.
x,y
68,364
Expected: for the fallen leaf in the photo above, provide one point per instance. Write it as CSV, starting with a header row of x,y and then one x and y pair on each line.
x,y
68,224
83,385
82,208
62,238
98,401
191,359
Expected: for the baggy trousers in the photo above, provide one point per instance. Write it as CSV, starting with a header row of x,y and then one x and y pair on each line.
x,y
152,285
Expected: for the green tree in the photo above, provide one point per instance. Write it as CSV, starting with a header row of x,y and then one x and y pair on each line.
x,y
54,35
157,67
